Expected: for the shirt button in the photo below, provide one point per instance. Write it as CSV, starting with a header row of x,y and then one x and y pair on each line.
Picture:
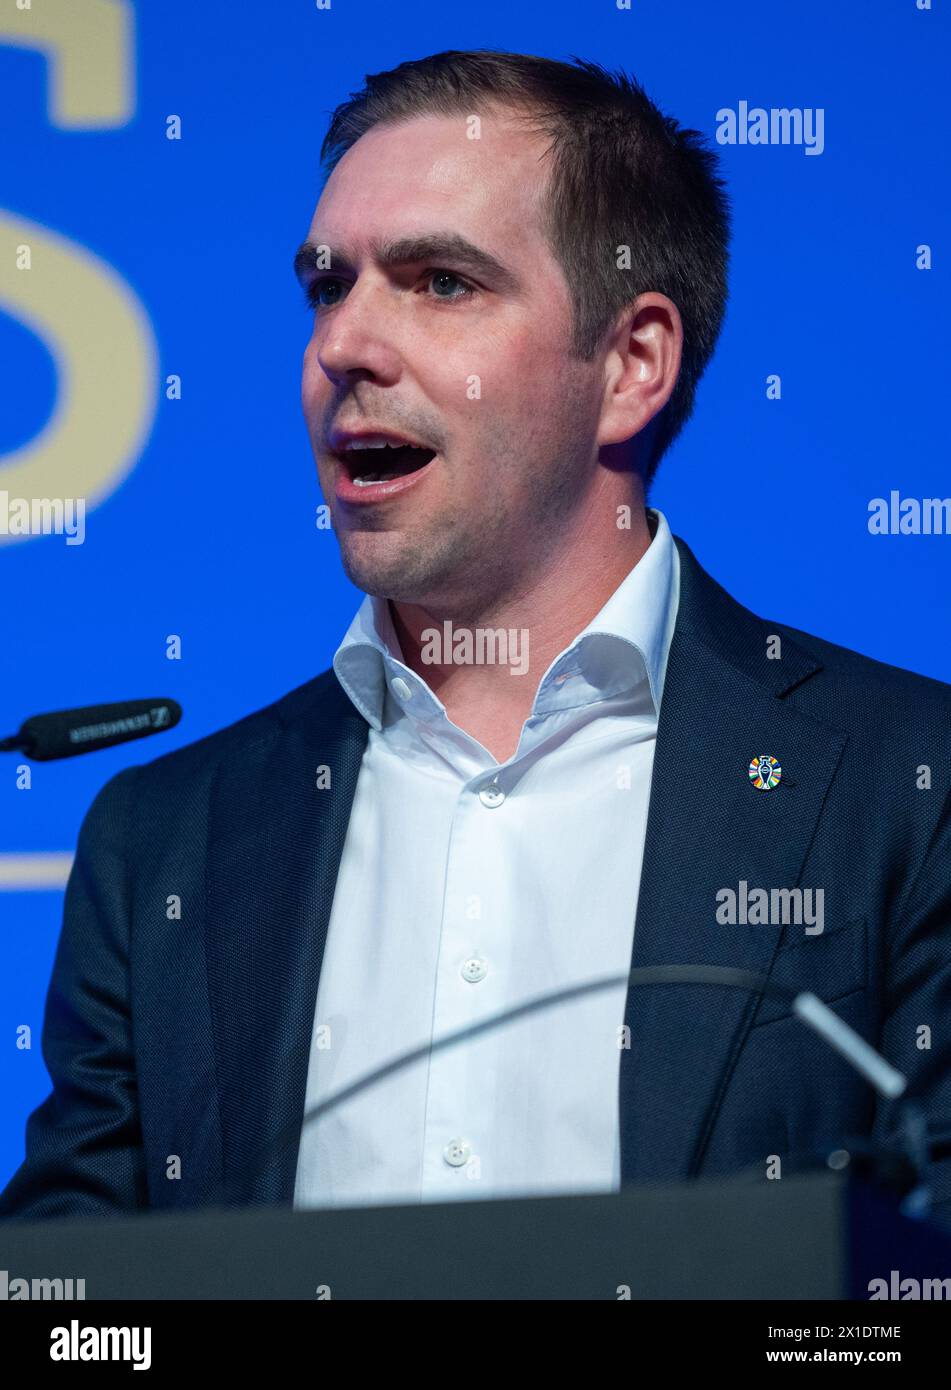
x,y
401,689
474,970
492,796
456,1152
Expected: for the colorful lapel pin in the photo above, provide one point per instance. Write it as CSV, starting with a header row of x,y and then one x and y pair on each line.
x,y
765,773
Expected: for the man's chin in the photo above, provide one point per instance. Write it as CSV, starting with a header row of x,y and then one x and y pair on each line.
x,y
378,565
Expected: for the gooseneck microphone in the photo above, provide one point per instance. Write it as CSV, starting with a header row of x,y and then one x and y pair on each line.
x,y
889,1083
66,732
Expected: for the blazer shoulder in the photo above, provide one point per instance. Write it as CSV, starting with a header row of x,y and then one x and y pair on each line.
x,y
833,679
851,670
319,698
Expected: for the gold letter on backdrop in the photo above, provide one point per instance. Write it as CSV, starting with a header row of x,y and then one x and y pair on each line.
x,y
88,317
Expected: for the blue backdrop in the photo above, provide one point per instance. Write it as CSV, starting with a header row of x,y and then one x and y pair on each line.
x,y
128,259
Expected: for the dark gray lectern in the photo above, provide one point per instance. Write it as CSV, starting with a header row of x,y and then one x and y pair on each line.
x,y
820,1236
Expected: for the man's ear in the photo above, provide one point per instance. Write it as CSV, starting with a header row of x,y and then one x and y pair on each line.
x,y
641,367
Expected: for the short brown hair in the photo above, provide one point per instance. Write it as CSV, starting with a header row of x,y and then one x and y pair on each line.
x,y
623,175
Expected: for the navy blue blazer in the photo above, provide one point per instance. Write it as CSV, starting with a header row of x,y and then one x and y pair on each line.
x,y
190,1037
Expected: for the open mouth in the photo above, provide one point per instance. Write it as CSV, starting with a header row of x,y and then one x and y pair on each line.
x,y
373,461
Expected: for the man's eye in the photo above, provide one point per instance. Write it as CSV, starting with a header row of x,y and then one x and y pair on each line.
x,y
446,285
324,294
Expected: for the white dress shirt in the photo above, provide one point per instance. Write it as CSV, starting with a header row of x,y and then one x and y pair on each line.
x,y
467,887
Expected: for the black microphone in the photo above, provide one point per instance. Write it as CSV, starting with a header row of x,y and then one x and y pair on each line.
x,y
914,1153
67,732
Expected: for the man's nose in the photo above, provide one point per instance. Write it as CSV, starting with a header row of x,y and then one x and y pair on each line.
x,y
358,339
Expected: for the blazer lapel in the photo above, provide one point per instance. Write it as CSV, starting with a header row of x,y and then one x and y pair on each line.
x,y
275,841
709,828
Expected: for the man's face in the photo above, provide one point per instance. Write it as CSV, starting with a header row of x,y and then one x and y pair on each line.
x,y
465,353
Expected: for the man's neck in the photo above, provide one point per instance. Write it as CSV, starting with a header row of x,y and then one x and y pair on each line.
x,y
492,698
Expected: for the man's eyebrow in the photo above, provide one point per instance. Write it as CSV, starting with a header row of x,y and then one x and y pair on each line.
x,y
436,248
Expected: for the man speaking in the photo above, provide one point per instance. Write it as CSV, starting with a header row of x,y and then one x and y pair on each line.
x,y
550,746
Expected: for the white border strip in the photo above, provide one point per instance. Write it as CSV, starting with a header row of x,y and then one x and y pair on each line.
x,y
24,873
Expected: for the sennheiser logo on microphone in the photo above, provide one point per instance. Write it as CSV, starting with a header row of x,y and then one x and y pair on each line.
x,y
43,516
85,732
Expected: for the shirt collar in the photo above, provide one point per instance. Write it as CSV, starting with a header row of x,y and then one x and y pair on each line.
x,y
626,643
